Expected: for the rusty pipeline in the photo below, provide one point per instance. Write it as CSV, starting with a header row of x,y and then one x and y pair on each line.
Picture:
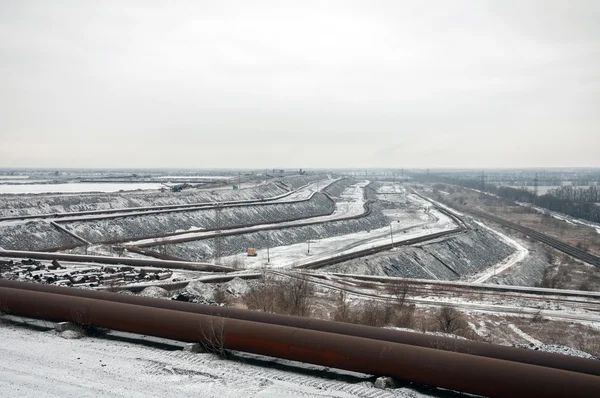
x,y
552,360
451,370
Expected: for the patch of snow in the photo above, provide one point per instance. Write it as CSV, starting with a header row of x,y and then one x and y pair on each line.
x,y
40,364
524,335
427,332
481,329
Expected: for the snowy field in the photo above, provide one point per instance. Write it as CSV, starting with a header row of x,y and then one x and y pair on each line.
x,y
43,364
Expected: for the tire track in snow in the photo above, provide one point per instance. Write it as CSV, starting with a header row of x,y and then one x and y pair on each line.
x,y
249,379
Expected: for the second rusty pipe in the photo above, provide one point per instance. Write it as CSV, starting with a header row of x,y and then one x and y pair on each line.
x,y
552,360
456,371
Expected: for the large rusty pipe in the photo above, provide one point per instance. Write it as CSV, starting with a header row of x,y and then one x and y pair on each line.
x,y
456,371
514,354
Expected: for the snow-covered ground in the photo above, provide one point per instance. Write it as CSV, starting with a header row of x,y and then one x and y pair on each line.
x,y
43,364
391,188
298,254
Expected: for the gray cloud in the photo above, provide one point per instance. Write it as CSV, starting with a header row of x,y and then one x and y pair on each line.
x,y
299,84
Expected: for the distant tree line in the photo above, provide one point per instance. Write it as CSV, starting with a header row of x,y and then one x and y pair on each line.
x,y
573,201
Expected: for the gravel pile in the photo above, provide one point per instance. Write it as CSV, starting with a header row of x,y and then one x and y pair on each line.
x,y
33,235
556,349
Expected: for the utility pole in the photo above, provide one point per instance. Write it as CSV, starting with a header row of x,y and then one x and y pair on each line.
x,y
535,185
268,246
482,181
308,251
391,234
239,179
218,237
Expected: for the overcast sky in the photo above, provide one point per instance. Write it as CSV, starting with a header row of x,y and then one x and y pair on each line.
x,y
206,84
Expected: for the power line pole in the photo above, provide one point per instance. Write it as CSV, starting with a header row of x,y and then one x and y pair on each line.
x,y
482,181
218,237
268,247
392,234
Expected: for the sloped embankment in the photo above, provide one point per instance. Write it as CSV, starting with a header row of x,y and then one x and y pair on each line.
x,y
133,227
297,181
204,249
33,235
34,204
21,205
335,189
454,258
